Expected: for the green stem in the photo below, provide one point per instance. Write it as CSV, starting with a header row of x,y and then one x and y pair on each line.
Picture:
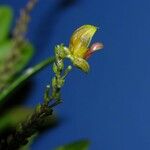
x,y
26,129
27,74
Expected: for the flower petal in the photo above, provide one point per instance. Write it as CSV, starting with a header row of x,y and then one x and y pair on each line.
x,y
81,64
95,47
81,39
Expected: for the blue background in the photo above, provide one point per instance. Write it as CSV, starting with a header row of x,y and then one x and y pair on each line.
x,y
110,105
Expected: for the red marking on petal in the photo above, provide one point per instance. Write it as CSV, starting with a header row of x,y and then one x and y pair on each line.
x,y
96,46
92,49
87,54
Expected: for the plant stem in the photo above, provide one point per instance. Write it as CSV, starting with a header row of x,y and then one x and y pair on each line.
x,y
27,128
52,97
26,75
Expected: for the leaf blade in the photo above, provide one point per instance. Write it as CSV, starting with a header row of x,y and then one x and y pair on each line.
x,y
10,67
21,79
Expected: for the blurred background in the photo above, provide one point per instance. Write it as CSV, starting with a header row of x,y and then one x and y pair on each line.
x,y
111,105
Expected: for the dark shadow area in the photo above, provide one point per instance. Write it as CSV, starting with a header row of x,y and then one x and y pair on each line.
x,y
55,122
17,97
49,20
50,123
49,128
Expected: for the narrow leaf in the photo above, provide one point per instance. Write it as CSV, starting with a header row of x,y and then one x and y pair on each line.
x,y
25,76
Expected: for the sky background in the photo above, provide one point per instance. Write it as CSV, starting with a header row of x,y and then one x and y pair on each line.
x,y
111,105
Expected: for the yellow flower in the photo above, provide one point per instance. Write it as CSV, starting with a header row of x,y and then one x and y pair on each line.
x,y
81,39
79,46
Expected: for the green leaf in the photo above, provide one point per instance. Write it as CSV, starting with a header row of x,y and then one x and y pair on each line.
x,y
13,64
22,58
26,55
6,16
25,76
78,145
13,117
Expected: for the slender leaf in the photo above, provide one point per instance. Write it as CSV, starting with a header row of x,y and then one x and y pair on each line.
x,y
25,76
78,145
6,16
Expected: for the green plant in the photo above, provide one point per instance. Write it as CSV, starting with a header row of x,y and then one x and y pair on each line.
x,y
15,52
30,123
